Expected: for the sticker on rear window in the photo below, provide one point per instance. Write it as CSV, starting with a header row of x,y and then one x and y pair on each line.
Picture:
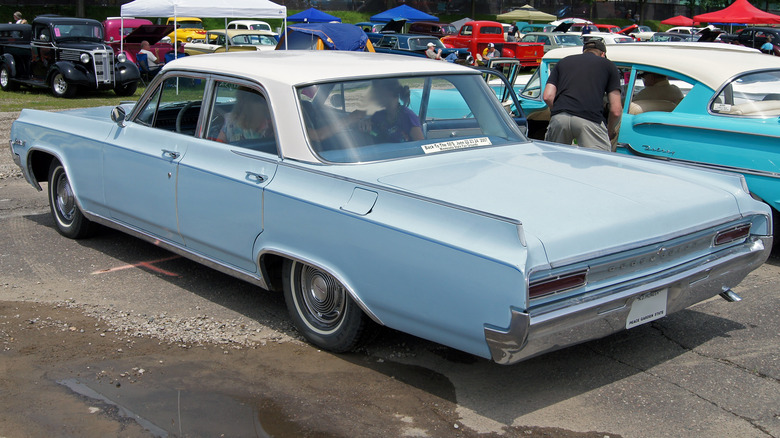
x,y
456,144
721,107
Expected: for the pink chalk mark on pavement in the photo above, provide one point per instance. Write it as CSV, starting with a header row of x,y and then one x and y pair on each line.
x,y
147,265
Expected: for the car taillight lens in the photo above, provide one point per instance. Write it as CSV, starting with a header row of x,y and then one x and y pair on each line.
x,y
557,284
732,234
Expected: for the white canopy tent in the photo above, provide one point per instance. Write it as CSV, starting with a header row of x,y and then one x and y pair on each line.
x,y
204,8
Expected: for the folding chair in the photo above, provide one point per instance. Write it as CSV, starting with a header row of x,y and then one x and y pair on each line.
x,y
142,59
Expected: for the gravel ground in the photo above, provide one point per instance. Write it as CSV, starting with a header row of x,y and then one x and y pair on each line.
x,y
7,167
184,328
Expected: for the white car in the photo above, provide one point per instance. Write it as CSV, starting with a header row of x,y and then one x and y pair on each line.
x,y
685,29
237,40
250,25
608,38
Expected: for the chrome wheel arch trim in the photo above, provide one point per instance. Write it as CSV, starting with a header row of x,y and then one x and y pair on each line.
x,y
325,268
180,250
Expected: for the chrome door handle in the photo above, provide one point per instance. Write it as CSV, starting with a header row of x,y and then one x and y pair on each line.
x,y
168,153
256,177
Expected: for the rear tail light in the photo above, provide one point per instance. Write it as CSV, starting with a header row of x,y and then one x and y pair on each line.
x,y
557,284
739,232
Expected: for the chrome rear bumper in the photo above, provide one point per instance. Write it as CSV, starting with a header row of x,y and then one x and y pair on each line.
x,y
532,334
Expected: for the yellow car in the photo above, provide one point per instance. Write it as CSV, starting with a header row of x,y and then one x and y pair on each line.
x,y
190,28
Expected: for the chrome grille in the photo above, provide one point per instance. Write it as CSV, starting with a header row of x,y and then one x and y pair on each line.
x,y
104,65
70,55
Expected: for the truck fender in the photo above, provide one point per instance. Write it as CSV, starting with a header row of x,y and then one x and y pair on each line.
x,y
507,53
125,72
9,61
69,71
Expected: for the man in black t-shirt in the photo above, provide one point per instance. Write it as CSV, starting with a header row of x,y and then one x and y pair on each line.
x,y
575,95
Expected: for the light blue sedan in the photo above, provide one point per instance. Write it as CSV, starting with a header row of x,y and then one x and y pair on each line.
x,y
709,104
330,185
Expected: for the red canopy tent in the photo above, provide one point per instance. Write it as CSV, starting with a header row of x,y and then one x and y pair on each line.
x,y
680,20
741,11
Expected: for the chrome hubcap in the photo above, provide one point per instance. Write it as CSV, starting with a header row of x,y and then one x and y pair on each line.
x,y
323,296
3,77
65,201
60,85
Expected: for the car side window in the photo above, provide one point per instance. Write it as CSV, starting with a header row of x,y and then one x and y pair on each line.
x,y
750,95
655,91
466,30
241,116
175,105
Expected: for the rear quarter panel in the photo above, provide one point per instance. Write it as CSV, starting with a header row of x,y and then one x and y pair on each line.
x,y
422,268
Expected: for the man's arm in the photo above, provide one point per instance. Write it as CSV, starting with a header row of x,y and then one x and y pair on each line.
x,y
550,90
615,111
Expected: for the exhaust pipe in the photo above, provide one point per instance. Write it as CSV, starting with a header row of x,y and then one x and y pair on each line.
x,y
730,296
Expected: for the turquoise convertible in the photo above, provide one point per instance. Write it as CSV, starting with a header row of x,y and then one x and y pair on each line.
x,y
726,115
366,205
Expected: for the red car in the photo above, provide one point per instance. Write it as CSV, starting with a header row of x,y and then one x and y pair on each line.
x,y
134,31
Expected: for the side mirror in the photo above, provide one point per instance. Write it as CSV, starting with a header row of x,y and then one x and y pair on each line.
x,y
118,116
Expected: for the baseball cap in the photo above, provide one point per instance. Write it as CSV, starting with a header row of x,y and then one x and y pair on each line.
x,y
595,43
431,45
491,45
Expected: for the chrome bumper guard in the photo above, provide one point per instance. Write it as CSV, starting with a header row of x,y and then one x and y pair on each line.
x,y
532,334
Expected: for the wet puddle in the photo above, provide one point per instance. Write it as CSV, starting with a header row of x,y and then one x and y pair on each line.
x,y
180,401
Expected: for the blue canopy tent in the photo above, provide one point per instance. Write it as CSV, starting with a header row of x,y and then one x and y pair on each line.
x,y
325,36
312,15
403,12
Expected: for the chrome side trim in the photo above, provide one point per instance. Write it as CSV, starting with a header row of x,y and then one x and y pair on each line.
x,y
727,131
542,331
180,250
350,289
721,167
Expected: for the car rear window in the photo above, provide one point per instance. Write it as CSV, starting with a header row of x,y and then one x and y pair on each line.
x,y
752,95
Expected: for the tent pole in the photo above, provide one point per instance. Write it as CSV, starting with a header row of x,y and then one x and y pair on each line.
x,y
284,30
121,33
175,36
226,36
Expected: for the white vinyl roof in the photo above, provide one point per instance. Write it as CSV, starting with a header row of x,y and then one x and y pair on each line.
x,y
709,63
294,67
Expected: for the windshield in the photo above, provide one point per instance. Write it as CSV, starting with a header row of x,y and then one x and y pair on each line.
x,y
78,31
390,118
422,43
450,29
751,95
260,26
190,25
568,40
255,40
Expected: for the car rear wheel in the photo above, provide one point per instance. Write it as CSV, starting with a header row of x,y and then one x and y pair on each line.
x,y
5,80
69,219
60,87
321,308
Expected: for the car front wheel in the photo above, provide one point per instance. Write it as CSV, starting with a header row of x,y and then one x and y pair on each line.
x,y
321,308
126,89
60,87
5,80
69,219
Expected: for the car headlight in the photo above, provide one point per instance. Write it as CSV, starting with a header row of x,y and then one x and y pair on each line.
x,y
84,58
121,57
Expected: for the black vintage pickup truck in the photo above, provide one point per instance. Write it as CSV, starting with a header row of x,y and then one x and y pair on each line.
x,y
64,54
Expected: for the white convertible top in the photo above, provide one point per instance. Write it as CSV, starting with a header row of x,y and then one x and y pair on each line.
x,y
709,63
294,67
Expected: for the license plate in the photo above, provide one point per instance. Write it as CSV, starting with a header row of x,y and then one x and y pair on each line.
x,y
647,307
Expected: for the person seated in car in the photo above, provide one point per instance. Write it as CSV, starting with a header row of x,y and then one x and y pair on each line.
x,y
657,87
395,123
250,119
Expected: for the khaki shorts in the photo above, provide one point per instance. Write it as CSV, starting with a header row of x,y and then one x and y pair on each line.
x,y
565,128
